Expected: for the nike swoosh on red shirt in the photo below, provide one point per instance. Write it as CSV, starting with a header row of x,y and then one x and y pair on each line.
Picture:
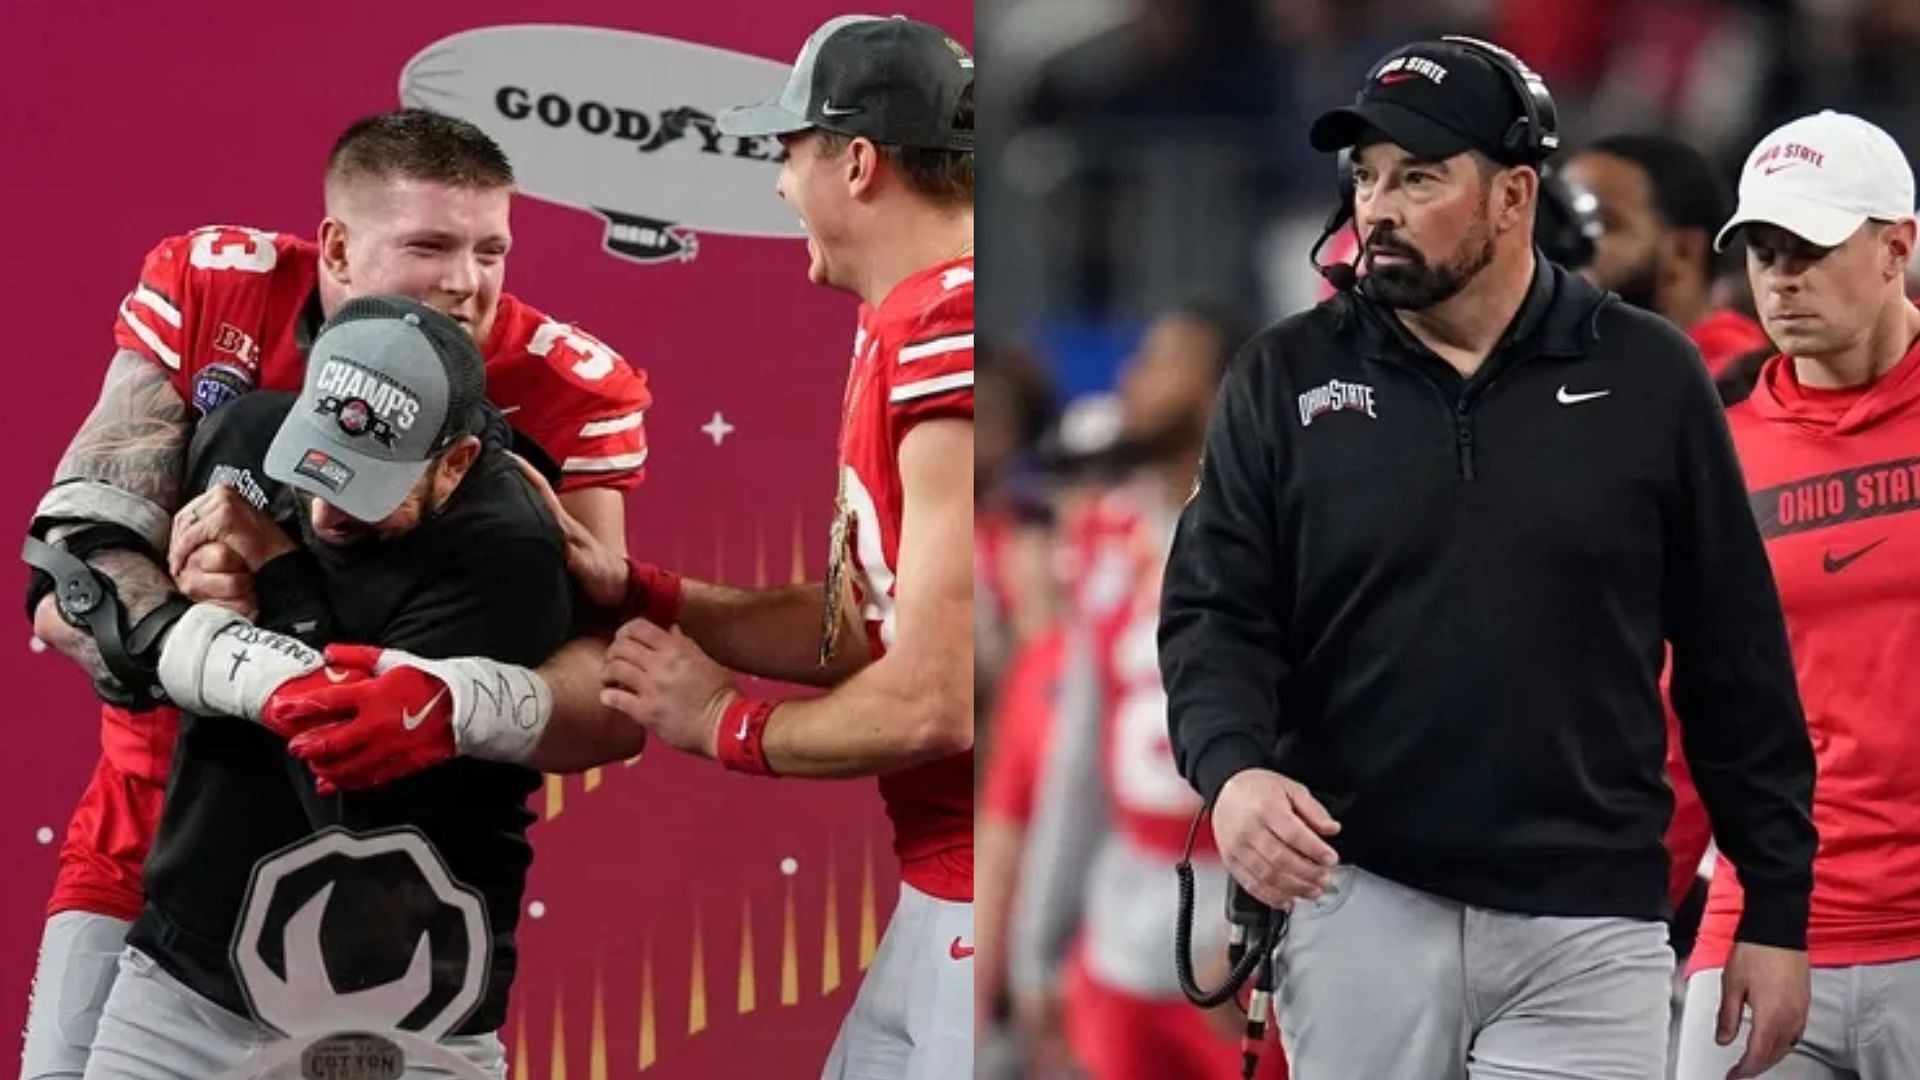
x,y
1833,564
958,950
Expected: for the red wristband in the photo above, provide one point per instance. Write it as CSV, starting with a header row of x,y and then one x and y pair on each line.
x,y
653,594
741,742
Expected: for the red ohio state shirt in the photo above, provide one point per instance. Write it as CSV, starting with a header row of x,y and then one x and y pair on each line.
x,y
1834,478
912,361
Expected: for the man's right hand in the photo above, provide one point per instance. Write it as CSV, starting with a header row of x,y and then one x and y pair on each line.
x,y
1269,830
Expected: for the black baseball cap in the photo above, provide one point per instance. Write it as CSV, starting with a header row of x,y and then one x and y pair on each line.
x,y
1433,99
894,81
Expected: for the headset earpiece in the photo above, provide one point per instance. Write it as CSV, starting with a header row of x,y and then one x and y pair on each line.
x,y
1535,136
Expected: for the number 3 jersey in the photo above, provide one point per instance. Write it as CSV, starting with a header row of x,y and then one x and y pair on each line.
x,y
224,311
912,361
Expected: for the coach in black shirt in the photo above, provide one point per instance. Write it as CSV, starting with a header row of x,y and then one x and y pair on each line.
x,y
417,532
1415,616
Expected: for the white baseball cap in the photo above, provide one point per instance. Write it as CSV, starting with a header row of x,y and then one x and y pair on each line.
x,y
1821,177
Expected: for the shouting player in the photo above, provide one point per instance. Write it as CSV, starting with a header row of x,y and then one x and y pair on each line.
x,y
877,122
417,204
1829,439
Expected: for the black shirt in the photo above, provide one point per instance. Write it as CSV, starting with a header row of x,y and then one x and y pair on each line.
x,y
485,576
1443,604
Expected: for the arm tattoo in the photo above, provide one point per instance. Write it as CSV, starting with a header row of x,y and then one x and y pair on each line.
x,y
136,437
136,440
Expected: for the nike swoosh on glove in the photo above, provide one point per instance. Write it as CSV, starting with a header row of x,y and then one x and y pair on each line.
x,y
389,721
288,720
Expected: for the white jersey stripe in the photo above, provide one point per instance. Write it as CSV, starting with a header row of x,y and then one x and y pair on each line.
x,y
144,333
926,387
617,424
158,304
604,464
955,343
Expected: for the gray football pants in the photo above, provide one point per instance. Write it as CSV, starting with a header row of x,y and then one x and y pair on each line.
x,y
155,1028
79,954
1864,1025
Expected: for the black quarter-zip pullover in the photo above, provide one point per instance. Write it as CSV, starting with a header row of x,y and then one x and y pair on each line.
x,y
1443,604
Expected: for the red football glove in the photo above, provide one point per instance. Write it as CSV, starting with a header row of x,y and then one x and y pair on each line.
x,y
289,710
374,728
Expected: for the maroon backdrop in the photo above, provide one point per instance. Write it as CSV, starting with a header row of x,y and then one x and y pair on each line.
x,y
681,922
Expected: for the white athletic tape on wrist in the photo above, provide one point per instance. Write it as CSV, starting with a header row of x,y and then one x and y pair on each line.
x,y
499,710
216,663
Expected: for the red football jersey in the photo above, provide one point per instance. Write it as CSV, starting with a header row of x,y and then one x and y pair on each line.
x,y
1834,479
1022,723
912,361
225,310
1123,540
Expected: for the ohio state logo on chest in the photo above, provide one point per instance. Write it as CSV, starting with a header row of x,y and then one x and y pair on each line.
x,y
1336,396
363,402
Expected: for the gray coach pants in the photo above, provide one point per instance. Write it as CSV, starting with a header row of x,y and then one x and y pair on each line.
x,y
1388,983
1864,1025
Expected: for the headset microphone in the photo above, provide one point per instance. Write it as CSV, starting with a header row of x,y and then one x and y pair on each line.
x,y
1342,276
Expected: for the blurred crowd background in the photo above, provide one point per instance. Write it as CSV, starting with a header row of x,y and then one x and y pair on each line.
x,y
1148,202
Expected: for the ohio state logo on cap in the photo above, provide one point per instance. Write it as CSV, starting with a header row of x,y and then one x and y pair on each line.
x,y
355,417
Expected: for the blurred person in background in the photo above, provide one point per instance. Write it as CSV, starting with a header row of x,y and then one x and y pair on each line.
x,y
1659,202
1093,932
1016,666
1829,441
1022,722
1012,526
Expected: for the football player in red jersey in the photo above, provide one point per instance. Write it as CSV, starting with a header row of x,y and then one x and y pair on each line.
x,y
1829,441
418,205
1094,930
877,121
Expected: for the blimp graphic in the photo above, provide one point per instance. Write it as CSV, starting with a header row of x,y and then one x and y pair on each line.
x,y
617,123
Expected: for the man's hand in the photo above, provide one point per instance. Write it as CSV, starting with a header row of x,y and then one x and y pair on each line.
x,y
223,514
1041,1021
661,680
400,713
216,663
600,570
384,722
1269,831
214,573
1775,984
